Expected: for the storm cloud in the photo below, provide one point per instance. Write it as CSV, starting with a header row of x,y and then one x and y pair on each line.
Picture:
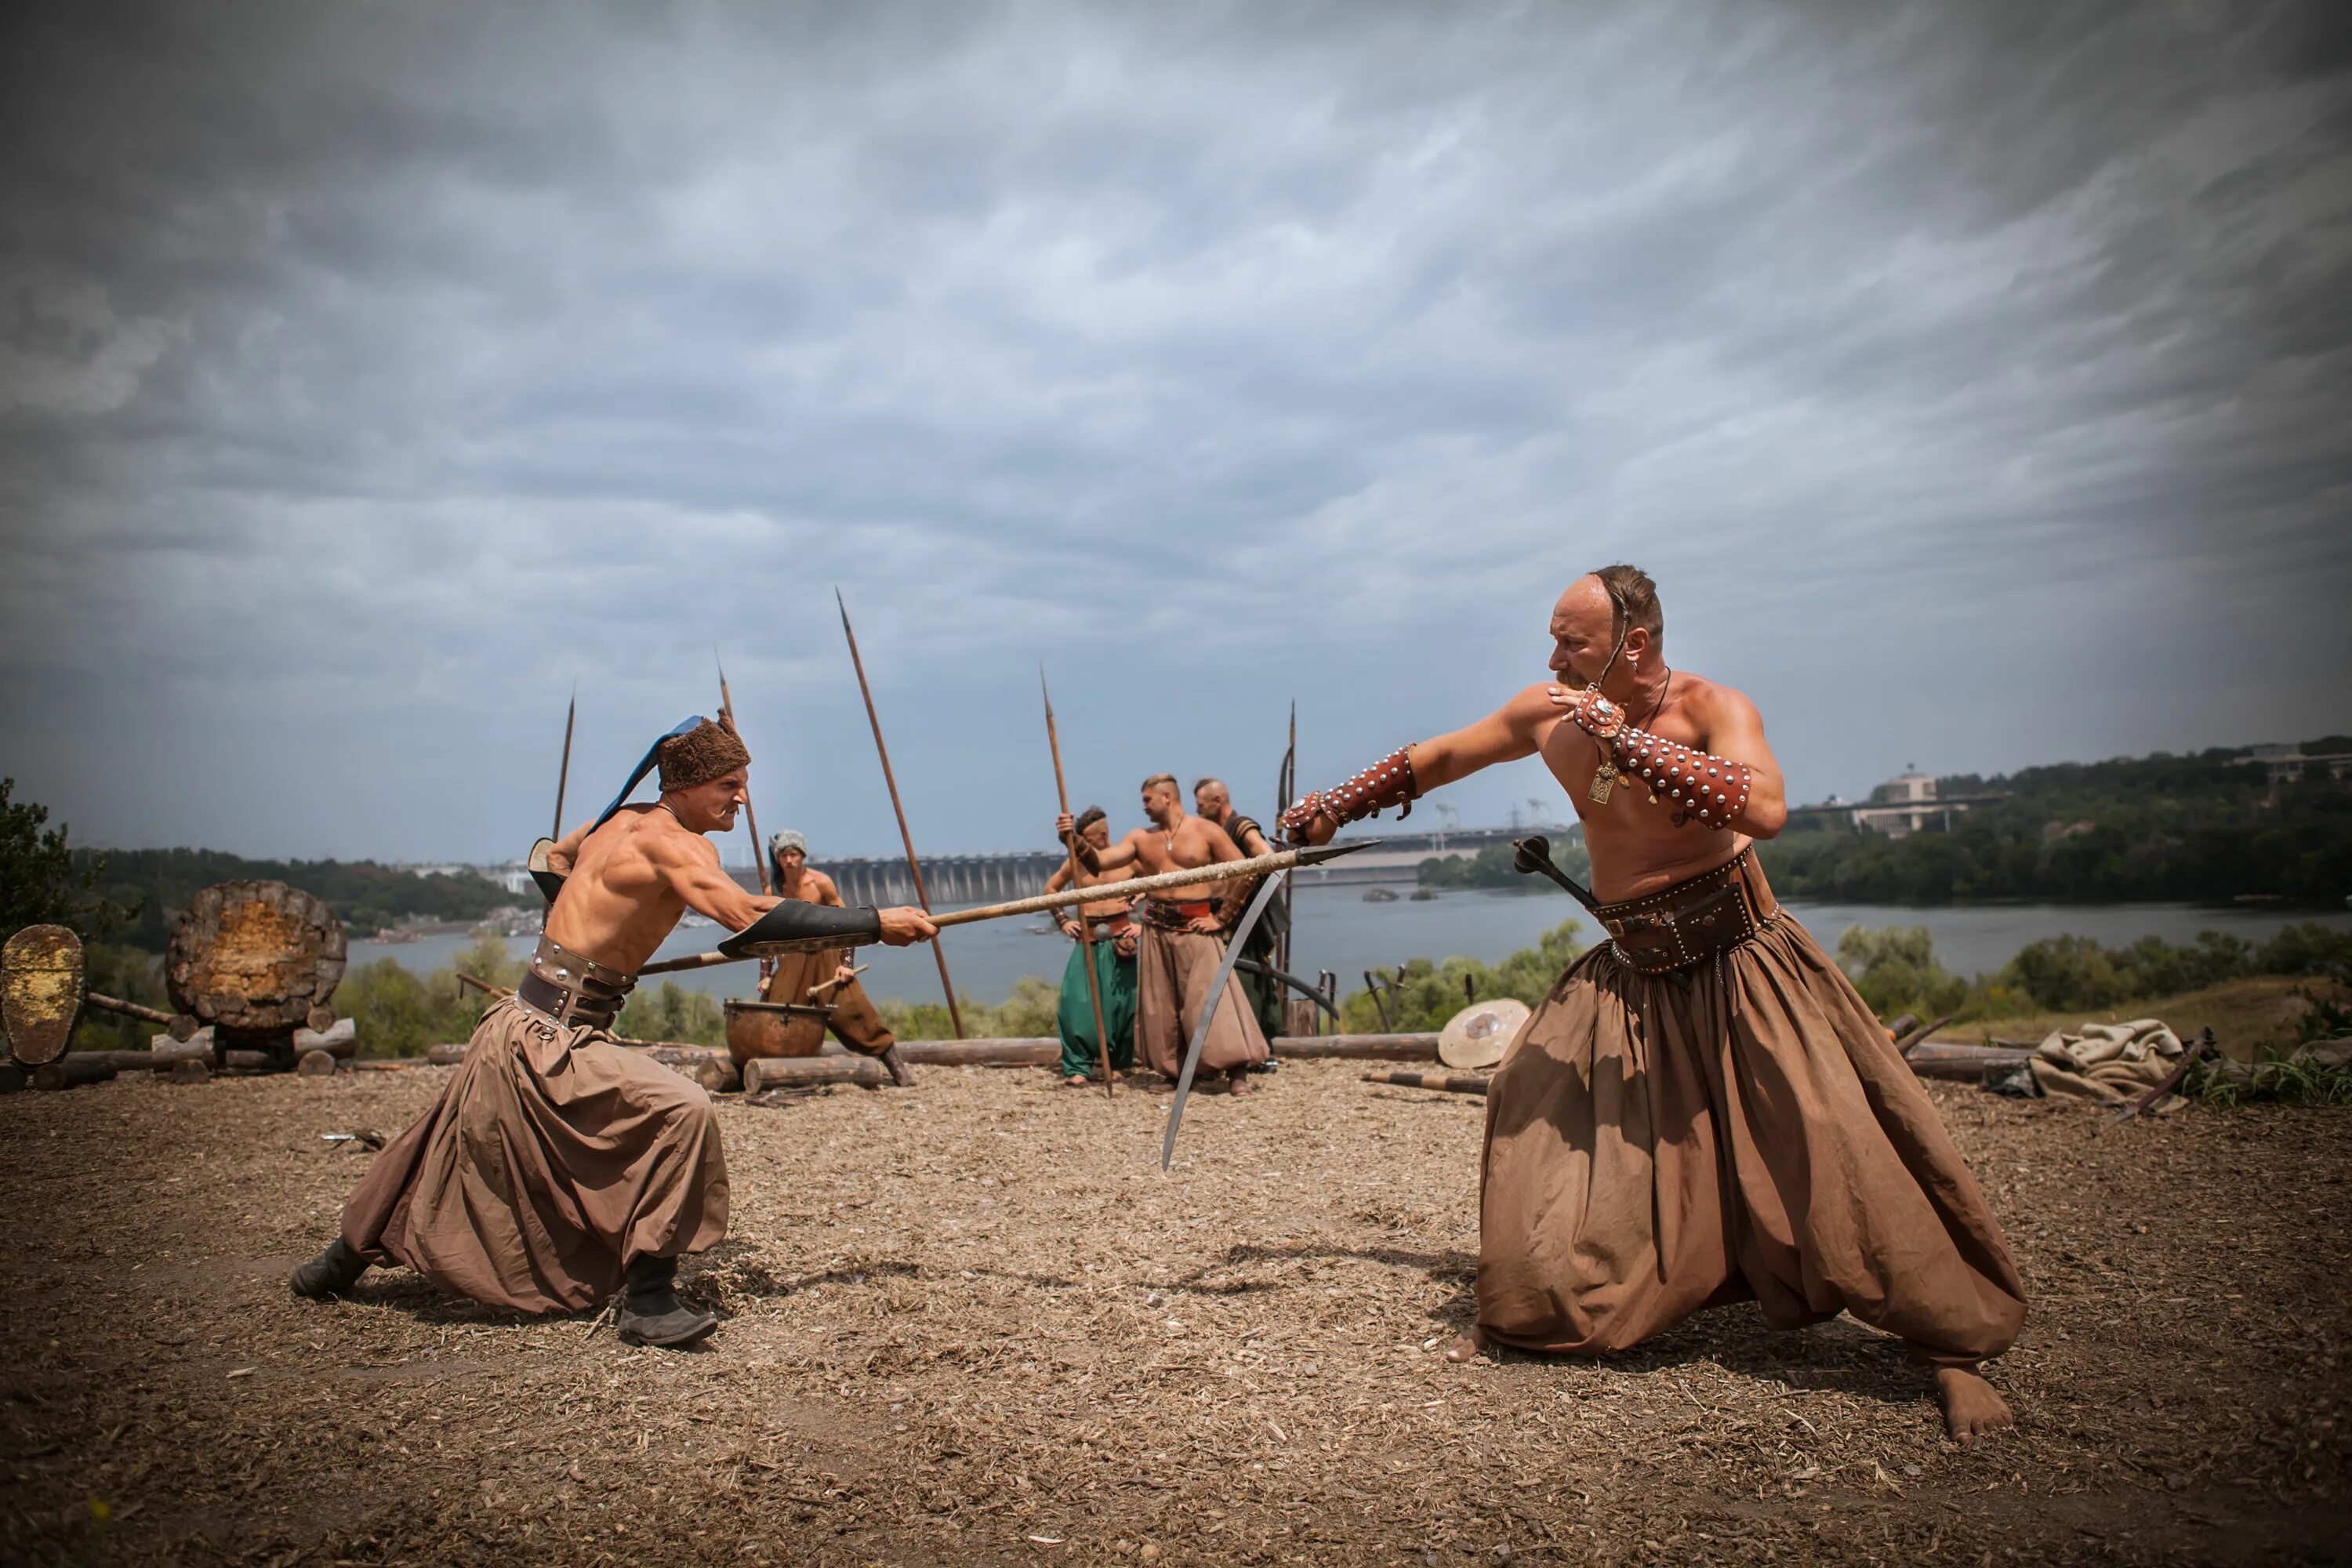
x,y
1972,378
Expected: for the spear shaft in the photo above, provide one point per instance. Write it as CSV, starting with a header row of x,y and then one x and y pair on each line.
x,y
750,818
914,867
1085,926
564,777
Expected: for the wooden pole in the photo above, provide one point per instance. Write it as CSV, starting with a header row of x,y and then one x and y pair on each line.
x,y
1085,926
750,818
914,867
563,776
1290,887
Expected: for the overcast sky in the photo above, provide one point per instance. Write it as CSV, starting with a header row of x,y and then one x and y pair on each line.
x,y
1974,379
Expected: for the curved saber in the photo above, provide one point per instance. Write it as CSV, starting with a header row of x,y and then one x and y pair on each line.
x,y
1209,1010
1268,971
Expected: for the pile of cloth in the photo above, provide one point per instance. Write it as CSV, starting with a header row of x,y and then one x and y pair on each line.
x,y
2105,1064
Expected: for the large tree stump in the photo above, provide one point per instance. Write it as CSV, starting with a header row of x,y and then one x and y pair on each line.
x,y
253,958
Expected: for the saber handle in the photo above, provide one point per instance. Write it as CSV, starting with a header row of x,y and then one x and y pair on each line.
x,y
1533,855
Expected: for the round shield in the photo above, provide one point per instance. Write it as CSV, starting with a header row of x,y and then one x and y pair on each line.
x,y
1478,1036
40,992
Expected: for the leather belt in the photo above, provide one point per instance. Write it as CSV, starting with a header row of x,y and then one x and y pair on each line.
x,y
1167,914
1690,923
567,1006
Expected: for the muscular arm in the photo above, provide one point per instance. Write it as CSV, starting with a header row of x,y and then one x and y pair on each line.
x,y
1736,729
1514,731
1119,854
688,865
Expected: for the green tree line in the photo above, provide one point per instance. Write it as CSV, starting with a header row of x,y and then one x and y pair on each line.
x,y
365,896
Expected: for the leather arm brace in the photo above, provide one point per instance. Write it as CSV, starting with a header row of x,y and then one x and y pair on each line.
x,y
793,921
1234,903
1386,782
1696,785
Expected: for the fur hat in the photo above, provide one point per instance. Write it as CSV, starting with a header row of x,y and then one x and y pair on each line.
x,y
784,839
701,754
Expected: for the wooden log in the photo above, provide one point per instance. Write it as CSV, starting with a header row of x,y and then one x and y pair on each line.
x,y
1029,1051
254,957
190,1071
246,1060
315,1064
1359,1047
1910,1038
714,1071
387,1064
1964,1064
447,1056
763,1073
1449,1082
74,1072
166,1050
339,1039
321,1018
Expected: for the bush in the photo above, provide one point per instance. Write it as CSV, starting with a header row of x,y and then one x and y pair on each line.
x,y
1027,1013
1431,993
1897,970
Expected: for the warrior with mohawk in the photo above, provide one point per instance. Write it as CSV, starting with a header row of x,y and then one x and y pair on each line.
x,y
556,1166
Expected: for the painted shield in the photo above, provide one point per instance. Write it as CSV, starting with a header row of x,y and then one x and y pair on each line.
x,y
40,992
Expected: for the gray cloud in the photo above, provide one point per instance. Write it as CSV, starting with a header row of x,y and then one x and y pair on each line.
x,y
1971,378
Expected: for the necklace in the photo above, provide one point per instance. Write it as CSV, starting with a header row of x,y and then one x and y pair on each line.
x,y
1605,776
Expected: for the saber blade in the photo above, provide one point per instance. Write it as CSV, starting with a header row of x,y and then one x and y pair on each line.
x,y
1209,1010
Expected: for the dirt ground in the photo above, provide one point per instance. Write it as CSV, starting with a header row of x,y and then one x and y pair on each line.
x,y
974,1322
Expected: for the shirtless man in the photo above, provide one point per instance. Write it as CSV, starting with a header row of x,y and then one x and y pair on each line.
x,y
1702,1109
1113,932
797,976
1177,960
1214,801
555,1167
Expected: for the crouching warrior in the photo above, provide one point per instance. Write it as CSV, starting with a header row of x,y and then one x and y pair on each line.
x,y
556,1166
1702,1111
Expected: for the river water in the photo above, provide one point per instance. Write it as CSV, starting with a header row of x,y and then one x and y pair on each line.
x,y
1339,930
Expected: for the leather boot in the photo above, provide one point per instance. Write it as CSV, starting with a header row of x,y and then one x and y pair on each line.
x,y
651,1313
330,1273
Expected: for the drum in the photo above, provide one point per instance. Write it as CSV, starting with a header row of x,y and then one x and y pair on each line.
x,y
774,1028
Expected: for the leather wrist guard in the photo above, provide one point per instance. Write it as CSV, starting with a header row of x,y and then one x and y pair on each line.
x,y
1386,782
1234,903
1697,785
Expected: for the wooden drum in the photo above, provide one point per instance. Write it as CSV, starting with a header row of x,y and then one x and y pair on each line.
x,y
756,1029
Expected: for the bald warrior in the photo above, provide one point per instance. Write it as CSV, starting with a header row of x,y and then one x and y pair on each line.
x,y
1177,959
1703,1110
557,1167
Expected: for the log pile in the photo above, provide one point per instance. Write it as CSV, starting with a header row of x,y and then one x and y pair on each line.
x,y
256,960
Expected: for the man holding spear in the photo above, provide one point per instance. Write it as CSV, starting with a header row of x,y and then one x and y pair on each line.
x,y
1106,933
1181,955
556,1166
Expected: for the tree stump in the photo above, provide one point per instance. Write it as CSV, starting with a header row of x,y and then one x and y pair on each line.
x,y
253,958
315,1064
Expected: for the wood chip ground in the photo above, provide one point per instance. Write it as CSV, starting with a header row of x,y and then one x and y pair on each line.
x,y
975,1323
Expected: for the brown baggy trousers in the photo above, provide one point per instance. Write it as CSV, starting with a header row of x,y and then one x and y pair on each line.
x,y
855,1022
1658,1143
552,1159
1173,970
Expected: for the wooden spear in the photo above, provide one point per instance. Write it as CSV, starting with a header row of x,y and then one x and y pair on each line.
x,y
750,818
1291,887
563,776
1085,926
914,867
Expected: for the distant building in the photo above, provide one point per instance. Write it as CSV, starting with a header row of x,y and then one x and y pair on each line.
x,y
2286,764
1905,804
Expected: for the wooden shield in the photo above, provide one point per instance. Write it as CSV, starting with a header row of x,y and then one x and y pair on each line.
x,y
1478,1036
40,992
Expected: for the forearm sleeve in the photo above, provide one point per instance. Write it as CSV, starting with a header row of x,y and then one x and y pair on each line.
x,y
1696,786
806,926
1386,782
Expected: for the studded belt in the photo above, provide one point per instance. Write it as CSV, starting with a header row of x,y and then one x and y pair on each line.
x,y
572,988
1690,923
1168,914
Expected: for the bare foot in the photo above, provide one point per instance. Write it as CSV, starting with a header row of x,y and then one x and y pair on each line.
x,y
1971,1408
1467,1347
1239,1084
1075,1080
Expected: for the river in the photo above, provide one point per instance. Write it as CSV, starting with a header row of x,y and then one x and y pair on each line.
x,y
1339,930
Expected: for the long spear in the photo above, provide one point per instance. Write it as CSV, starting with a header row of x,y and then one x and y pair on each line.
x,y
564,776
1085,926
750,818
913,866
1290,885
